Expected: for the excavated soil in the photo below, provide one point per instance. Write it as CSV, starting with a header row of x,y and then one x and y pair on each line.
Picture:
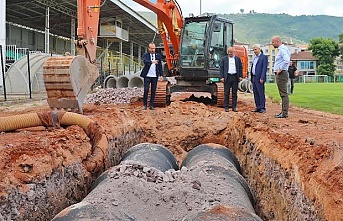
x,y
294,166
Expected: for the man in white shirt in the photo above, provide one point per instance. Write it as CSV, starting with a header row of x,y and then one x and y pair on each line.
x,y
231,72
151,73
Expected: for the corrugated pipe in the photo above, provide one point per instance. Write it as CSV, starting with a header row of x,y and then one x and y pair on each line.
x,y
110,81
95,161
217,161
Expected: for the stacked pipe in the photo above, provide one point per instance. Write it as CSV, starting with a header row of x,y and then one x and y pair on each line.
x,y
136,80
245,85
110,81
124,81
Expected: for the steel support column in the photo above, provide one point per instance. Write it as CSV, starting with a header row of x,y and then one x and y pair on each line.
x,y
47,32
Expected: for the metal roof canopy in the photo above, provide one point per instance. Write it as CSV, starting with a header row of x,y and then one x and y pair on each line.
x,y
31,13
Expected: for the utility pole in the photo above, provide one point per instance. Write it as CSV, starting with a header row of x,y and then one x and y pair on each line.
x,y
200,7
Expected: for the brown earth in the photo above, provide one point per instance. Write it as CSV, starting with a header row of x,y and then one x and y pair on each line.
x,y
293,166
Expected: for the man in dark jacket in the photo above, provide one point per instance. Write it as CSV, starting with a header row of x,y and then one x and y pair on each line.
x,y
258,78
151,73
292,70
231,72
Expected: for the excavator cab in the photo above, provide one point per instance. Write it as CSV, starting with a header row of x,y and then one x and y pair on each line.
x,y
204,42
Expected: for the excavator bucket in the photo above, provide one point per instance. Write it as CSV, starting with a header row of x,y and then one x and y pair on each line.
x,y
67,81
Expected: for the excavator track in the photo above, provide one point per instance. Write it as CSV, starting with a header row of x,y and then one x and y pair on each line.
x,y
162,95
220,94
67,81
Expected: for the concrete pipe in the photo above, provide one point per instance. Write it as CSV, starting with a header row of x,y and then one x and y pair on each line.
x,y
123,81
250,87
95,161
240,86
110,81
244,84
214,163
136,81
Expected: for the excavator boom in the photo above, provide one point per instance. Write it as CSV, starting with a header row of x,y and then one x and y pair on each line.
x,y
170,22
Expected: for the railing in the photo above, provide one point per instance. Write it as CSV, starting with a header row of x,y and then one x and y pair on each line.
x,y
14,53
118,64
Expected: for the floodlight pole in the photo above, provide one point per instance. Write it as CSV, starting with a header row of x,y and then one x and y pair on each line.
x,y
200,7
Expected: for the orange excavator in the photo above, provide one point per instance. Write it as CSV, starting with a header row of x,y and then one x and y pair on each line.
x,y
193,48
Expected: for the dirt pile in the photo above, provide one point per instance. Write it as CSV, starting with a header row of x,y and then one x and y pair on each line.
x,y
293,166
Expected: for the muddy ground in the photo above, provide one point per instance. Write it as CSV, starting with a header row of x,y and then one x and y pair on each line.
x,y
294,166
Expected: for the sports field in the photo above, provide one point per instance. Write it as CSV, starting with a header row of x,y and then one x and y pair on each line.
x,y
327,97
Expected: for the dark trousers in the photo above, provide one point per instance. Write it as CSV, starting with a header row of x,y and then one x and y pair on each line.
x,y
259,96
231,84
292,80
147,82
282,81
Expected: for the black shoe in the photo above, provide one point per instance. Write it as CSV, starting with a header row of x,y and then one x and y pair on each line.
x,y
226,109
151,108
144,107
256,110
234,109
262,111
281,115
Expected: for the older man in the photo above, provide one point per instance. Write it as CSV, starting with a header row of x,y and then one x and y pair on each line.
x,y
281,64
258,78
231,71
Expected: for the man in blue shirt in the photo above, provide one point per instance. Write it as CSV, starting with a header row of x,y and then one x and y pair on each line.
x,y
281,64
258,78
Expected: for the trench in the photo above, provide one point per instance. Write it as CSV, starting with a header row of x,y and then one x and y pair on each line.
x,y
276,191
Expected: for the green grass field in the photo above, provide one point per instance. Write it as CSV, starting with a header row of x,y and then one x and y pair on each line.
x,y
326,97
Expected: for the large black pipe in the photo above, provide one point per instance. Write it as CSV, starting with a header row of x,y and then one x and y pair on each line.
x,y
146,186
219,163
145,158
152,155
145,154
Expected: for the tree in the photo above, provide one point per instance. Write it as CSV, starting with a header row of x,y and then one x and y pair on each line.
x,y
340,42
242,10
326,50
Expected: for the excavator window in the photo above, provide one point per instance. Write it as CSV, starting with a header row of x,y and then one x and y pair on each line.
x,y
217,50
192,44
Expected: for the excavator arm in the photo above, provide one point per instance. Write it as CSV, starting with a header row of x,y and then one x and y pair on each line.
x,y
67,79
170,24
88,12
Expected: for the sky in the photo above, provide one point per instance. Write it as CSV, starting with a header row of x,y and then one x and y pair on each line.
x,y
291,7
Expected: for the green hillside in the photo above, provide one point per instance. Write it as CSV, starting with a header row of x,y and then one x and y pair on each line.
x,y
260,27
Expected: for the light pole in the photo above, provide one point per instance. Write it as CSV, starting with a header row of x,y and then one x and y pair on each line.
x,y
200,7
